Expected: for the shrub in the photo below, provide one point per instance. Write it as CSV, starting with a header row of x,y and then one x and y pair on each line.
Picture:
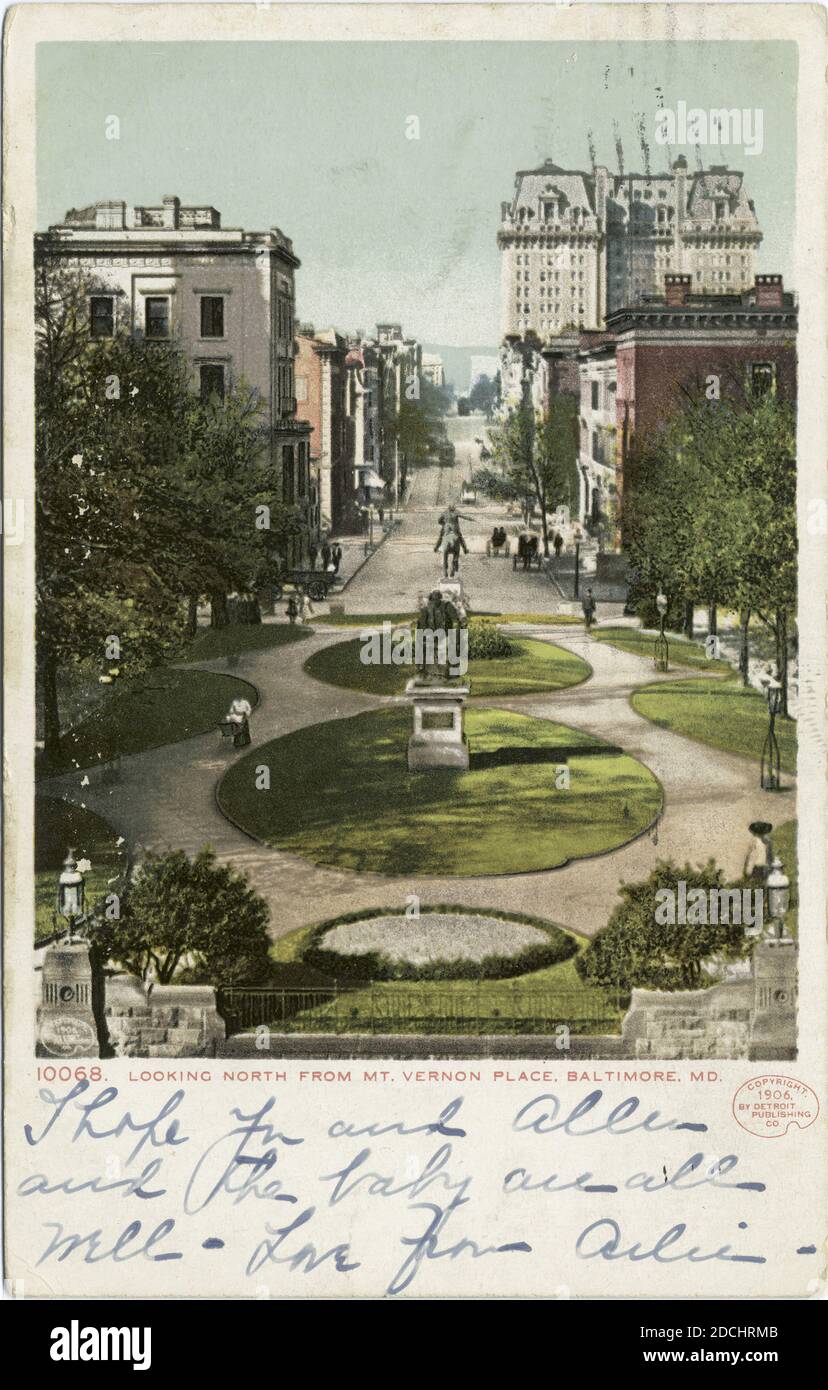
x,y
193,912
487,642
635,949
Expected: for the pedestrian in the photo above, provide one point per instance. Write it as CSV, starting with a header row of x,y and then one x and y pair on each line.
x,y
557,544
336,555
759,857
313,551
326,554
292,609
588,604
307,609
239,715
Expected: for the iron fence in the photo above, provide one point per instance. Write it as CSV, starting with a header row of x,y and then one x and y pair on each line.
x,y
428,1009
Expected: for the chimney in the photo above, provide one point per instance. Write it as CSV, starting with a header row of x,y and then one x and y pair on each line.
x,y
172,206
769,291
676,289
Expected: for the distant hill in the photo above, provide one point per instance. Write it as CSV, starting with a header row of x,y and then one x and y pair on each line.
x,y
457,362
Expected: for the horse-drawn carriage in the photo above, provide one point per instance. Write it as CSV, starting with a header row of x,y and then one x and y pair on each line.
x,y
317,583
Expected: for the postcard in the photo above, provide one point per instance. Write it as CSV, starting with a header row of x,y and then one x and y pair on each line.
x,y
415,536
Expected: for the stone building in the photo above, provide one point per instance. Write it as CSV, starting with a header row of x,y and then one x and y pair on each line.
x,y
172,273
576,246
432,367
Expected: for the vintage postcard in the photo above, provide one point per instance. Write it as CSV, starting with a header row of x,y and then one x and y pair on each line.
x,y
415,534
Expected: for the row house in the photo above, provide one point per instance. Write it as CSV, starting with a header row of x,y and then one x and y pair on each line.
x,y
326,399
578,245
172,273
386,372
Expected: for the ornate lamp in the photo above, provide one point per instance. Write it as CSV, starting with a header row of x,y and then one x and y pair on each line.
x,y
769,774
661,655
779,897
71,893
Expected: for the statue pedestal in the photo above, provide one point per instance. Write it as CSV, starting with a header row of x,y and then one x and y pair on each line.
x,y
773,1035
66,1025
437,744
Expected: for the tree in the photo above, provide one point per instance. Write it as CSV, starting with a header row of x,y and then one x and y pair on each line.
x,y
483,395
194,911
147,497
537,456
638,948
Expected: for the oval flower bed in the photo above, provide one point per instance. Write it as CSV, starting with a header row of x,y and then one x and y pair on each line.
x,y
435,946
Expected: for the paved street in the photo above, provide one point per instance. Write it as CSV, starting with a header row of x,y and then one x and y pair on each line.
x,y
406,566
165,798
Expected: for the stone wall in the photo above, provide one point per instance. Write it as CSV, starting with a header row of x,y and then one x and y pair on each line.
x,y
712,1023
161,1020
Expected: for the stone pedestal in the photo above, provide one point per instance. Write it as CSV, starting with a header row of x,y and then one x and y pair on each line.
x,y
65,1022
434,745
773,1033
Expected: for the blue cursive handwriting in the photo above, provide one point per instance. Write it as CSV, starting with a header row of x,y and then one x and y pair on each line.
x,y
340,1129
426,1245
541,1115
152,1129
306,1259
606,1239
240,1173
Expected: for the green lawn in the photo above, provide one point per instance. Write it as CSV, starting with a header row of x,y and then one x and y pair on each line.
x,y
682,652
341,794
463,1006
532,668
213,643
60,826
163,706
723,714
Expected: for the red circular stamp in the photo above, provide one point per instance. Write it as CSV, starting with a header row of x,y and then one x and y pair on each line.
x,y
769,1105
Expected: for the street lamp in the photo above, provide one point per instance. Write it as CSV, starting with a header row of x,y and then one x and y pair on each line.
x,y
779,898
662,651
71,893
769,777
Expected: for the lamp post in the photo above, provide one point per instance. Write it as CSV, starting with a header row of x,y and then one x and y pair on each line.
x,y
71,894
769,775
779,898
662,650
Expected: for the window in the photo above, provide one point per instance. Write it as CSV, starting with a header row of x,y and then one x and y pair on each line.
x,y
102,315
720,210
212,381
212,316
157,317
762,377
288,478
595,390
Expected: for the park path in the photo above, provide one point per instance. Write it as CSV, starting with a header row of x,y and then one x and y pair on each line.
x,y
165,798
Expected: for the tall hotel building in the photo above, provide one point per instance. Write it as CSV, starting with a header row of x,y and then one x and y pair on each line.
x,y
576,246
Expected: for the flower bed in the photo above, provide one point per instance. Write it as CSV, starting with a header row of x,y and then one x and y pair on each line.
x,y
435,946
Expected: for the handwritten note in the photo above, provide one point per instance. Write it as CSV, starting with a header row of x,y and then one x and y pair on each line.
x,y
390,1190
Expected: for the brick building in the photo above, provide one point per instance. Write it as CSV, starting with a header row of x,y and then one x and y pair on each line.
x,y
226,296
656,353
325,399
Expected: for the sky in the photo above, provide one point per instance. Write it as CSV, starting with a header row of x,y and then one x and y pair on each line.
x,y
314,138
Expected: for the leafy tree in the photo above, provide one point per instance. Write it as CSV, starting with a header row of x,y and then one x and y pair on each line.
x,y
537,456
483,395
146,498
637,948
189,911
